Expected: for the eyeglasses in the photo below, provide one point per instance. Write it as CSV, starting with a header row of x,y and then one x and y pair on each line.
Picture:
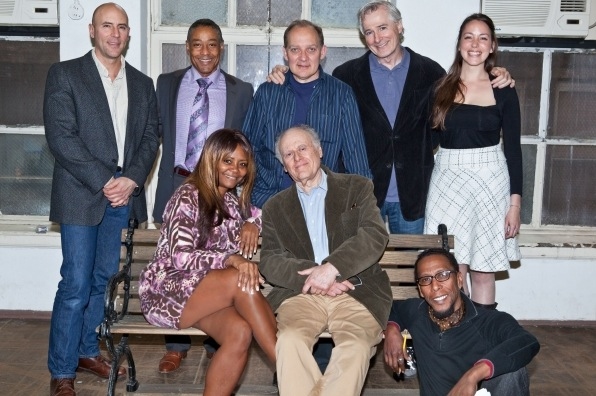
x,y
439,276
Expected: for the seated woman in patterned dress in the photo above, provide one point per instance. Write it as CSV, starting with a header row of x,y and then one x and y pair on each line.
x,y
201,275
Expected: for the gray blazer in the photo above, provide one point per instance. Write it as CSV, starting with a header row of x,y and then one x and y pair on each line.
x,y
238,98
357,239
81,136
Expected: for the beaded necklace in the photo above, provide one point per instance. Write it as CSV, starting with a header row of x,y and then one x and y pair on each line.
x,y
450,321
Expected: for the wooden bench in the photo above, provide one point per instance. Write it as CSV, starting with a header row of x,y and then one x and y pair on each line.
x,y
122,311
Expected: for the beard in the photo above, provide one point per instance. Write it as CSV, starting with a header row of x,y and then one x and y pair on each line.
x,y
446,313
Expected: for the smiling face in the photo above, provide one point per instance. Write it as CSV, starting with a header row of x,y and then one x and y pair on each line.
x,y
475,43
443,297
204,49
381,34
231,170
301,158
110,32
304,53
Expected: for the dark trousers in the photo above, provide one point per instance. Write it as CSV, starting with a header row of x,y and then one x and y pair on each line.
x,y
516,383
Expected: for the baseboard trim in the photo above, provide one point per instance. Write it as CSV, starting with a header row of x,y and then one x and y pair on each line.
x,y
21,314
559,323
47,315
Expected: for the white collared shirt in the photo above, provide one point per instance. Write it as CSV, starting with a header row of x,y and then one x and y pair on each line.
x,y
117,95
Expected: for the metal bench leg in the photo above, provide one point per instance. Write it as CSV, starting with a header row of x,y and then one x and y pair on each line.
x,y
117,353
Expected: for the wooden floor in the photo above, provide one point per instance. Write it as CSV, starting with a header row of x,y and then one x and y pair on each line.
x,y
566,365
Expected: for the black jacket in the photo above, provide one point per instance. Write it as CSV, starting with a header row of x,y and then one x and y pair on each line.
x,y
408,146
443,357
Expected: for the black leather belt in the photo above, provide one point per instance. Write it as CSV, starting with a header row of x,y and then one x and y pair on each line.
x,y
181,171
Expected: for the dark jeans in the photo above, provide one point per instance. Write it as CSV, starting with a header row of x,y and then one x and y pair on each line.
x,y
90,256
516,383
177,343
181,343
322,352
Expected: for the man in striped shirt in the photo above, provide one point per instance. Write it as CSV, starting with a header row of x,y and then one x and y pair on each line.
x,y
307,97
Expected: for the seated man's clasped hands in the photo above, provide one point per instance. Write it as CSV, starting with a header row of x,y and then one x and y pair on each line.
x,y
322,239
201,275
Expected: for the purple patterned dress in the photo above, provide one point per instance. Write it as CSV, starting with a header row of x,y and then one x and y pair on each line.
x,y
178,264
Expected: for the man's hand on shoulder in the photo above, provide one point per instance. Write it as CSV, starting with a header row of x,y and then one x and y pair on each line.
x,y
502,78
320,278
277,75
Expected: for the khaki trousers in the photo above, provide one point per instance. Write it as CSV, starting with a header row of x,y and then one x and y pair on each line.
x,y
355,332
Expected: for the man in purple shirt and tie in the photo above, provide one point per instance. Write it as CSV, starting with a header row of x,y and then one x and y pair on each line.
x,y
193,103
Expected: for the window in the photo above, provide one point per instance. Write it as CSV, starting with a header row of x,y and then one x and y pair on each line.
x,y
25,162
558,142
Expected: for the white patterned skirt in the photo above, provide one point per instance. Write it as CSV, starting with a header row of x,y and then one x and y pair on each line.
x,y
469,193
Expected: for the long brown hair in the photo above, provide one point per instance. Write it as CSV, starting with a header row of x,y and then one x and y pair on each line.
x,y
212,210
450,86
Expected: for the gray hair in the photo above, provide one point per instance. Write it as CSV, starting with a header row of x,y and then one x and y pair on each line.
x,y
314,138
392,10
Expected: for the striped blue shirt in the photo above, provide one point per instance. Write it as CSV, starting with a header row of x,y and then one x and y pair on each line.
x,y
332,112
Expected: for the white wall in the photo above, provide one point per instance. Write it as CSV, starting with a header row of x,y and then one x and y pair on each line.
x,y
74,34
431,26
549,289
542,288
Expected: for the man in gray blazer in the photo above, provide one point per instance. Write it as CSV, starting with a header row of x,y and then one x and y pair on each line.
x,y
322,239
229,98
100,118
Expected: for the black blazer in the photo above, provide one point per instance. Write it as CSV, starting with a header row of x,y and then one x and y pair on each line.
x,y
238,98
81,136
408,146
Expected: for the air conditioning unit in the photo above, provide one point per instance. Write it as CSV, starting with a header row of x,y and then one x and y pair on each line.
x,y
29,12
539,18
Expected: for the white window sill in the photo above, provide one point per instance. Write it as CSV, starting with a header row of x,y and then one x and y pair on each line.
x,y
579,243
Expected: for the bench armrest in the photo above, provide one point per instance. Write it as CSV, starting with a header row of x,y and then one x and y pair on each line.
x,y
111,312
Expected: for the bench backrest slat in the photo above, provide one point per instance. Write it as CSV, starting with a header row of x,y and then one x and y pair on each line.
x,y
398,261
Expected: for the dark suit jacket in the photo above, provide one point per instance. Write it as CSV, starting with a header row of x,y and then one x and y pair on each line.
x,y
238,98
357,239
408,146
81,136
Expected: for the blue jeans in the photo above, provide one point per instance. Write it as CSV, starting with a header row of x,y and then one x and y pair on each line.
x,y
397,224
516,383
90,256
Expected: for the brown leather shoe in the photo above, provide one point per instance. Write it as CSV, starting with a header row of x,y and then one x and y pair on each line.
x,y
99,365
171,361
62,387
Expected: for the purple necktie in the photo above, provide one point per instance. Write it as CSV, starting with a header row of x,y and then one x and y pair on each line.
x,y
197,132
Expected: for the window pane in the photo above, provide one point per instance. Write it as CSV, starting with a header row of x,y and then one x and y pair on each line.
x,y
23,70
573,94
529,171
25,175
173,57
255,12
526,69
185,12
336,14
569,189
253,62
339,55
